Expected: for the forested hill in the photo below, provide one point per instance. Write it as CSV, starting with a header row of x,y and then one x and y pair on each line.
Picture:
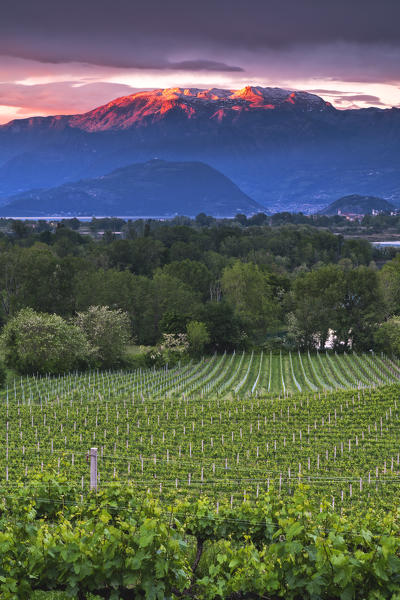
x,y
355,203
153,189
245,283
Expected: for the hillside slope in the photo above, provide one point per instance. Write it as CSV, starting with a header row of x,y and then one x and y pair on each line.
x,y
155,188
357,204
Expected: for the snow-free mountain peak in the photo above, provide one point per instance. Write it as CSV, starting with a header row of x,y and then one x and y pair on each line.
x,y
143,108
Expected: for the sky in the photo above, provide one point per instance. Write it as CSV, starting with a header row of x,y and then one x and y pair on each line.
x,y
69,56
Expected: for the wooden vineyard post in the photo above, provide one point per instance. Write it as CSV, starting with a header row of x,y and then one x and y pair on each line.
x,y
93,469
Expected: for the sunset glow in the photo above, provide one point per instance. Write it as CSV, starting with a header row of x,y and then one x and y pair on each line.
x,y
53,63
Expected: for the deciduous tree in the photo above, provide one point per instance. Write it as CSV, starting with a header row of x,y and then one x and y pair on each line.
x,y
108,332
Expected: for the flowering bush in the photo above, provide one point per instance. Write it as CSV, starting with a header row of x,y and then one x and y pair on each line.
x,y
42,343
108,332
172,349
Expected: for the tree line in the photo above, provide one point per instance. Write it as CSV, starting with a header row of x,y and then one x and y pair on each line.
x,y
292,286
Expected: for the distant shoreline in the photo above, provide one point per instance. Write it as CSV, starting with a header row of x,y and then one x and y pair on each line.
x,y
91,217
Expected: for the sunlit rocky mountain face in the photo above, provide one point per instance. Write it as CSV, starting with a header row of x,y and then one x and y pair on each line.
x,y
286,150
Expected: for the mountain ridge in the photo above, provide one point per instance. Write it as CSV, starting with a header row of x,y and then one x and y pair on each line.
x,y
156,103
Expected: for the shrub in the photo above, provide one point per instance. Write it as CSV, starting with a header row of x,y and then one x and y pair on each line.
x,y
172,350
42,343
3,374
198,337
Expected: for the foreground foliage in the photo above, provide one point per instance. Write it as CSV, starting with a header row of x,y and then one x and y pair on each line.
x,y
118,544
225,490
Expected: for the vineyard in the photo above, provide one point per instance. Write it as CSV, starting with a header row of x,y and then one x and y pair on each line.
x,y
242,475
229,427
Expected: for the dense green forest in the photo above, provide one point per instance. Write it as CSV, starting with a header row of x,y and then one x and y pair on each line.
x,y
250,281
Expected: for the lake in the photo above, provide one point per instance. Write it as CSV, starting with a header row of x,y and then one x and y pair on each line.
x,y
393,244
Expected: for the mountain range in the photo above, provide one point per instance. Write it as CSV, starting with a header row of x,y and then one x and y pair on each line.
x,y
287,150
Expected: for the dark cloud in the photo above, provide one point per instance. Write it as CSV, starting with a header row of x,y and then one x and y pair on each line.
x,y
335,62
325,91
204,65
137,54
267,22
367,98
349,96
354,100
139,34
